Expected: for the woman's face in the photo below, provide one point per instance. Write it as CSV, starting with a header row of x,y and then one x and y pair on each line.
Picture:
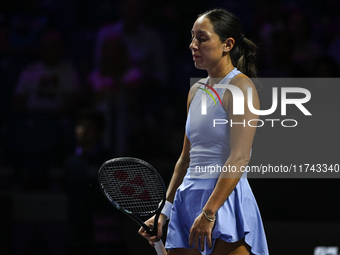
x,y
206,46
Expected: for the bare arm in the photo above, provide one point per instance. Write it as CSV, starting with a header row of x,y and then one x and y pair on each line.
x,y
184,159
241,139
176,180
179,171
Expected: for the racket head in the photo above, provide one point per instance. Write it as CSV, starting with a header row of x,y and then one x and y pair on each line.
x,y
133,186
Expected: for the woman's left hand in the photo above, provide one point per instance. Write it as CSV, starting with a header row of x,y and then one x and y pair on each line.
x,y
200,230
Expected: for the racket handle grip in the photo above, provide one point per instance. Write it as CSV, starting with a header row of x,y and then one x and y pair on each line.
x,y
159,247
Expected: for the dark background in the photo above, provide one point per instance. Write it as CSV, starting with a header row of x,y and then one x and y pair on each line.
x,y
295,39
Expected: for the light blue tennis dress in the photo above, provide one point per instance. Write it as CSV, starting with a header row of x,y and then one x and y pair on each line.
x,y
239,216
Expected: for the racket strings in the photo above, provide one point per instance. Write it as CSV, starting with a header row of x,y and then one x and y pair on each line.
x,y
132,186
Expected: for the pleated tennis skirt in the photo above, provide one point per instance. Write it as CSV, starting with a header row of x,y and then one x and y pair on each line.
x,y
237,218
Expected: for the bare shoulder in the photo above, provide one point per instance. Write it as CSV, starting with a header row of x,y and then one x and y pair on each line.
x,y
194,89
243,82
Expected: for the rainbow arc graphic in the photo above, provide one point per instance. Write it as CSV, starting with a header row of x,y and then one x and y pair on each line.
x,y
209,93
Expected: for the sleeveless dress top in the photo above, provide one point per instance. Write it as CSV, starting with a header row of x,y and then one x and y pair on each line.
x,y
239,216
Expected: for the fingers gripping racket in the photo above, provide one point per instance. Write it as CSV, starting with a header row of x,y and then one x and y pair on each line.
x,y
135,188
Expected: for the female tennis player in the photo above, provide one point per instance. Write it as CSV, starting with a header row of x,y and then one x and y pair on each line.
x,y
213,211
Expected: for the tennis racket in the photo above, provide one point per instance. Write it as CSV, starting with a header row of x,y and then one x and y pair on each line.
x,y
135,188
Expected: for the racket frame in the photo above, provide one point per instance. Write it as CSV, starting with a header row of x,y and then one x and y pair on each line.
x,y
135,216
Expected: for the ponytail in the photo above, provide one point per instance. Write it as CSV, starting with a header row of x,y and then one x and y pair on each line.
x,y
246,63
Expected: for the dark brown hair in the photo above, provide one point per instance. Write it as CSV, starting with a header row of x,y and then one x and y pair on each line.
x,y
225,25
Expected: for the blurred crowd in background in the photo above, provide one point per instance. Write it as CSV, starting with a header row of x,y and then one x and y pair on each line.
x,y
83,81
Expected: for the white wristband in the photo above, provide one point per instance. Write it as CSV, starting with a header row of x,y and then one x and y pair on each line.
x,y
167,209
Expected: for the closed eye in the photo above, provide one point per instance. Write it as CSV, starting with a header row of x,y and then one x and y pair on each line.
x,y
200,39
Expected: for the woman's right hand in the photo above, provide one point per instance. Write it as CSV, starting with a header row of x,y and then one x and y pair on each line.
x,y
152,239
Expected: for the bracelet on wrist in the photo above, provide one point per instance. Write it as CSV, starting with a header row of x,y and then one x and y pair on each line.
x,y
209,218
